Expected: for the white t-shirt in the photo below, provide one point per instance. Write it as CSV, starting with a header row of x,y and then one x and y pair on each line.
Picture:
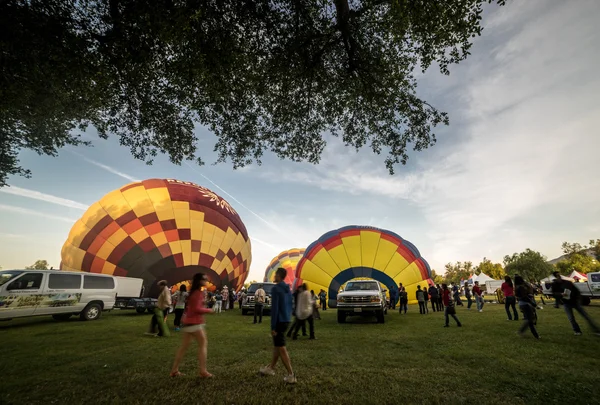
x,y
259,296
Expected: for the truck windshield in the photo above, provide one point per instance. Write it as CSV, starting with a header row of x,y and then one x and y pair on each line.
x,y
267,287
362,286
6,276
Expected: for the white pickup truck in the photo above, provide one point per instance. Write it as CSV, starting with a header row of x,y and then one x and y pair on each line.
x,y
364,297
590,289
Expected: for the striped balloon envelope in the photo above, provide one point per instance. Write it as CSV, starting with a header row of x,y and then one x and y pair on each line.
x,y
361,252
287,259
161,229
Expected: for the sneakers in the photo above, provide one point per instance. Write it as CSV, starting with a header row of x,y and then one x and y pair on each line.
x,y
267,370
481,310
177,329
290,379
578,333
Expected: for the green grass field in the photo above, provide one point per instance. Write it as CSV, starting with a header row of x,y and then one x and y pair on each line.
x,y
409,359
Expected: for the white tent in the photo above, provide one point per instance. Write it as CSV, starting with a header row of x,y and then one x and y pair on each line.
x,y
578,276
482,278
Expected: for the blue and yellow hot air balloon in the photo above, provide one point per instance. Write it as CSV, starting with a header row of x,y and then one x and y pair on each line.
x,y
362,251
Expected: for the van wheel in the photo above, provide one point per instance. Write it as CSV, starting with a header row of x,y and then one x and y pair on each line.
x,y
244,311
140,310
585,300
61,317
380,317
150,310
91,312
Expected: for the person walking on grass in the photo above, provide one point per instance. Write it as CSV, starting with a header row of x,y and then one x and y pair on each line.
x,y
456,294
323,299
449,309
571,299
478,296
161,311
218,302
403,300
295,314
393,296
193,327
304,312
440,303
468,296
420,300
179,299
433,293
526,305
259,303
225,294
281,312
510,300
232,299
316,313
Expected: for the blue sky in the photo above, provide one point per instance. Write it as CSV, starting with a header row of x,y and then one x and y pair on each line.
x,y
517,168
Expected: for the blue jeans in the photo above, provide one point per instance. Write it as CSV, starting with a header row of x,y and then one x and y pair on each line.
x,y
479,301
469,302
508,303
569,311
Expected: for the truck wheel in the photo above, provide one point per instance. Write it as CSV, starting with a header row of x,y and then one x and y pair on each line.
x,y
380,317
585,300
244,311
341,315
385,311
91,312
140,310
61,317
150,310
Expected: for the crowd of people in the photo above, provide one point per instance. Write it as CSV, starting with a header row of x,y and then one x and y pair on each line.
x,y
303,305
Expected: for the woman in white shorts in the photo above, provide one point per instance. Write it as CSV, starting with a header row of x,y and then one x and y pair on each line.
x,y
193,327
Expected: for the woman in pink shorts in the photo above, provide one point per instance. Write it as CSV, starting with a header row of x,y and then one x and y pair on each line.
x,y
193,327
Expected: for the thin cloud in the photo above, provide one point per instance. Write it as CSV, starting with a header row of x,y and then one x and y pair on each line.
x,y
522,149
265,244
26,211
11,236
269,224
105,167
49,198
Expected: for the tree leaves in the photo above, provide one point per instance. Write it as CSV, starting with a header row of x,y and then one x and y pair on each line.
x,y
262,75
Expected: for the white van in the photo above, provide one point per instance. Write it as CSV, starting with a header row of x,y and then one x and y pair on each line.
x,y
57,293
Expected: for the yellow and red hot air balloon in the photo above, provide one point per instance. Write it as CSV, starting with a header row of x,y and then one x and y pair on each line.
x,y
287,259
161,229
361,251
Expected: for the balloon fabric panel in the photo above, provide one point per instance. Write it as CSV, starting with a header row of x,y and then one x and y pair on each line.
x,y
136,228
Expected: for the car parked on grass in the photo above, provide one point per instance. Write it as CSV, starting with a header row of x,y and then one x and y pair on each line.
x,y
60,294
248,302
362,298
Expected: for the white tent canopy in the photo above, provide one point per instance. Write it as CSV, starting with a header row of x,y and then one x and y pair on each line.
x,y
482,278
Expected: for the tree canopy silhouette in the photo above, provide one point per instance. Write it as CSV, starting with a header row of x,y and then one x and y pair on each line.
x,y
261,75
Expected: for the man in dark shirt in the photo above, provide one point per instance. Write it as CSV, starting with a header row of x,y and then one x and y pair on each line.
x,y
571,298
281,312
433,293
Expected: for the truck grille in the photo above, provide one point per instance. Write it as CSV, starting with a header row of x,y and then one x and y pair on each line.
x,y
357,299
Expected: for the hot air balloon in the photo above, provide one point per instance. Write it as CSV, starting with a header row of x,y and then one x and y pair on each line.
x,y
161,229
287,259
361,251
